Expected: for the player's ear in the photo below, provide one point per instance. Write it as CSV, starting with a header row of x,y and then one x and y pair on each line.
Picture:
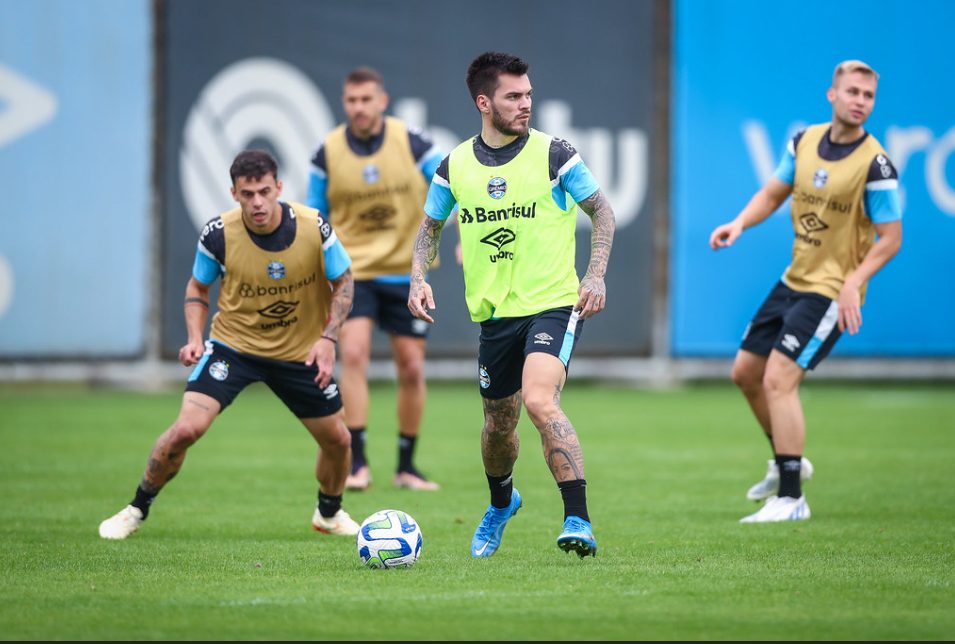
x,y
235,195
278,188
483,104
831,94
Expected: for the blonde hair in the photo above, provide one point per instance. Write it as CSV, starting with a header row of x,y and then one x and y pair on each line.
x,y
848,66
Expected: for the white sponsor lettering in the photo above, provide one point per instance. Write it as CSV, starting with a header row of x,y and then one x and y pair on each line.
x,y
27,106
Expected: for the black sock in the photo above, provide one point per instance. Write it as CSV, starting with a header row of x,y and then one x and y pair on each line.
x,y
328,505
789,470
405,452
357,448
574,494
501,488
143,500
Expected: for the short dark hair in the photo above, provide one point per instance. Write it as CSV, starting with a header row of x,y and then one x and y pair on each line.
x,y
484,71
254,164
364,74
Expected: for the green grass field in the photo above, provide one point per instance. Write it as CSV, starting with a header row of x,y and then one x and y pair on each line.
x,y
228,552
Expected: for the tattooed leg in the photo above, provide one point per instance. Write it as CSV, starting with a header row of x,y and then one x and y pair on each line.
x,y
500,443
543,380
197,413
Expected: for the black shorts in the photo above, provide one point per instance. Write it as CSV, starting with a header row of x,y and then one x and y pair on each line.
x,y
506,342
387,304
223,372
800,325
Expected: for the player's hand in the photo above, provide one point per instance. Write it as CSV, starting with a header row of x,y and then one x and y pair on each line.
x,y
190,353
850,309
421,300
592,296
322,355
724,236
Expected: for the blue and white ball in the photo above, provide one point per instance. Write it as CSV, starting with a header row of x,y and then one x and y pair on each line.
x,y
389,539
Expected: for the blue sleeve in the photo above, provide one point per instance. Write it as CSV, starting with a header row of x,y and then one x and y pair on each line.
x,y
882,202
578,181
205,268
883,206
337,259
786,170
317,185
568,173
440,201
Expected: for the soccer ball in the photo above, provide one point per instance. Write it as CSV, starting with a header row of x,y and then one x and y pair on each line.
x,y
389,539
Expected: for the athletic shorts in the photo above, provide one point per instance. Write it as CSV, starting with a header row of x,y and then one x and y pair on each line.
x,y
506,342
387,304
223,372
799,325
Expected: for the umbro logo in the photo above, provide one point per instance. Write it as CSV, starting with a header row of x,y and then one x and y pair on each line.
x,y
543,338
812,223
499,238
278,309
790,342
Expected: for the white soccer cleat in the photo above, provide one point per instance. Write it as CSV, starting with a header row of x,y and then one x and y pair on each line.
x,y
122,524
770,483
780,508
340,524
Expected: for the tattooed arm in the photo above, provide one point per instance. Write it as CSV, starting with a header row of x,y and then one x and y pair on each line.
x,y
322,354
420,297
343,292
593,291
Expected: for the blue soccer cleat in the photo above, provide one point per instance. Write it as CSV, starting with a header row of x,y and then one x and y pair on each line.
x,y
578,537
488,535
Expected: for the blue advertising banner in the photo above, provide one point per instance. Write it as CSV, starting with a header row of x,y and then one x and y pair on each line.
x,y
746,76
74,157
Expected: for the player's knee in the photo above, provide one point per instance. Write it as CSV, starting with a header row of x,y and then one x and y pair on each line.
x,y
540,406
344,438
354,356
777,384
745,378
498,428
185,433
411,372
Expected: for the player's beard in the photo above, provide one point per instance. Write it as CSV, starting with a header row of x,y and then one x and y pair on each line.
x,y
510,129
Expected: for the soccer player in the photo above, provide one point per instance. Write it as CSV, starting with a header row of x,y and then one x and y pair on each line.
x,y
517,190
285,292
370,176
848,224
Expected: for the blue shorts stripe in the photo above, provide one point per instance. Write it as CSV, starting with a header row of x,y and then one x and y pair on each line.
x,y
826,325
202,362
809,352
568,346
